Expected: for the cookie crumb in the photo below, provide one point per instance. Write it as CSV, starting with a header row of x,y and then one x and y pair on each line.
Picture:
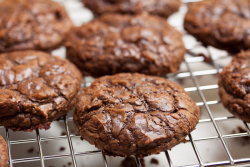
x,y
184,141
62,148
31,150
154,161
63,133
207,59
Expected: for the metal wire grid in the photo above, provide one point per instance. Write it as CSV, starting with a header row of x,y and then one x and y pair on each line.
x,y
192,74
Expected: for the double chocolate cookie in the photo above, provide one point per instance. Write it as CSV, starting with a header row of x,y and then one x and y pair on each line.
x,y
234,86
4,156
116,43
223,24
162,8
35,89
135,114
32,24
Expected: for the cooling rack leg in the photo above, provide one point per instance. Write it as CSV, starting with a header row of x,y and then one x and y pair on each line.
x,y
196,150
138,163
40,148
9,146
209,113
104,160
70,142
169,159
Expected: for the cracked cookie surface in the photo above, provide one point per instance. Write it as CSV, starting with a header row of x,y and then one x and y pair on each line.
x,y
234,86
220,23
35,89
116,43
32,24
135,114
162,8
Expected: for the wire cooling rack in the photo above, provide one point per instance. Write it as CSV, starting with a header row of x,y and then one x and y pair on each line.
x,y
198,75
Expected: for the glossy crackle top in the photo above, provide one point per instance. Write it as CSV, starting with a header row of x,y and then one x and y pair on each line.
x,y
221,23
32,24
234,82
236,75
162,8
135,114
116,43
35,87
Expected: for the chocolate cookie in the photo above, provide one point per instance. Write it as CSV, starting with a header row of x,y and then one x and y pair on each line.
x,y
162,8
117,43
32,24
35,89
223,24
135,114
234,86
4,156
